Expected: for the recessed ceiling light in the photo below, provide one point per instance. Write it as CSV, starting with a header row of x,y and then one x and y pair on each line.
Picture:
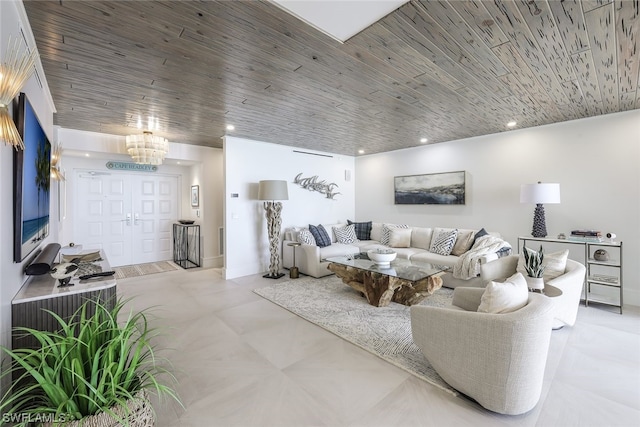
x,y
86,154
230,127
360,151
512,124
423,140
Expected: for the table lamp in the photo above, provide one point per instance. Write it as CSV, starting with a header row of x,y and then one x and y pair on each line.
x,y
538,194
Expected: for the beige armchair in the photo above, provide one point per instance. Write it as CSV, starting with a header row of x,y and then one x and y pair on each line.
x,y
570,283
496,359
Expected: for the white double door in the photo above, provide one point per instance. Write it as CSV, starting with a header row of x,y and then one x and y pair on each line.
x,y
129,216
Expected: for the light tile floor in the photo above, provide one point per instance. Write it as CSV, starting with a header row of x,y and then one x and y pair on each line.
x,y
242,361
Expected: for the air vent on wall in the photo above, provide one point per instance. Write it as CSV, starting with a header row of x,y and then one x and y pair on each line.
x,y
312,154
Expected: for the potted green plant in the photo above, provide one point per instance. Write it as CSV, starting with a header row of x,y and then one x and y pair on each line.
x,y
533,266
93,367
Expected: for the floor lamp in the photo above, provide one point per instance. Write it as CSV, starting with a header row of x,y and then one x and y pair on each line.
x,y
539,193
273,190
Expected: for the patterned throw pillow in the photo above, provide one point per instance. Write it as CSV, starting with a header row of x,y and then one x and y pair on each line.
x,y
320,235
306,238
346,234
363,229
443,241
386,232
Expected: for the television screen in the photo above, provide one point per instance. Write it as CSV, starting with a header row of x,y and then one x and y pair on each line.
x,y
32,175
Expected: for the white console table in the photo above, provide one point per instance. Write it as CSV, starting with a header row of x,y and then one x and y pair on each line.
x,y
40,293
595,278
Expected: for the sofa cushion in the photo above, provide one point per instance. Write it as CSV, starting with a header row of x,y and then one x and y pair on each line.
x,y
433,258
376,231
329,230
320,235
554,264
306,238
443,240
386,232
511,295
400,238
479,234
464,240
346,234
407,253
363,229
338,249
421,237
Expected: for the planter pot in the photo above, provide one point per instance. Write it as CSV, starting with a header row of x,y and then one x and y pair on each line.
x,y
535,283
140,415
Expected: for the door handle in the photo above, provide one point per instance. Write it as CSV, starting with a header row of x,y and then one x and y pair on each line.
x,y
128,220
136,218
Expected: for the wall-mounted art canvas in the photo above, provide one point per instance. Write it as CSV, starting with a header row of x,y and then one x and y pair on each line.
x,y
31,179
430,189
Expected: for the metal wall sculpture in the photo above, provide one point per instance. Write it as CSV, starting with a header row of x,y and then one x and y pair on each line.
x,y
312,184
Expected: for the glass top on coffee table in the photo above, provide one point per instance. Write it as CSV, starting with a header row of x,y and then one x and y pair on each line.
x,y
400,268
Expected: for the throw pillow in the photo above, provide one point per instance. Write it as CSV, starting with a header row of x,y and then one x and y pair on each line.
x,y
346,234
443,241
479,234
511,295
386,232
464,240
320,235
400,238
554,264
306,238
363,229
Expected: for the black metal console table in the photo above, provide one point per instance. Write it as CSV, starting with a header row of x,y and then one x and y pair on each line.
x,y
186,245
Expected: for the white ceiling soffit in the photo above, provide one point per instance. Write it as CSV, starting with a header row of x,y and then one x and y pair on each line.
x,y
340,19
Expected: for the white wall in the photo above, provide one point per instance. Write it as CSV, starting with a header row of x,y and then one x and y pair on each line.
x,y
248,162
595,160
12,19
200,166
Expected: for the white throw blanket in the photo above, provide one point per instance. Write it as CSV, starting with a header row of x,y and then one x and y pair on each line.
x,y
468,265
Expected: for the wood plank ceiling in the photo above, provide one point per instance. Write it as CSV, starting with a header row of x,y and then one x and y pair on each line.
x,y
441,70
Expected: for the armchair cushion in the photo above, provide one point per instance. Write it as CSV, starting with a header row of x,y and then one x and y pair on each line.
x,y
505,297
554,264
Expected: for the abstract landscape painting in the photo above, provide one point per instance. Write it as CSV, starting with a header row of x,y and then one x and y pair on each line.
x,y
430,189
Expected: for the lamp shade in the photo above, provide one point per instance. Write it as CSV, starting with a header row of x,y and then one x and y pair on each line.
x,y
273,190
540,193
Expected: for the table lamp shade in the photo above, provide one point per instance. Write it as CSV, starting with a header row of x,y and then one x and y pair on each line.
x,y
540,193
273,190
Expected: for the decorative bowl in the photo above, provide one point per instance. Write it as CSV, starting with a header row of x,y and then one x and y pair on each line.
x,y
186,221
382,257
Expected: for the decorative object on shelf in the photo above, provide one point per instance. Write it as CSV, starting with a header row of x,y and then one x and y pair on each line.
x,y
93,371
272,190
56,156
586,235
312,184
64,272
15,70
538,194
562,236
147,148
447,188
195,196
601,255
611,237
535,269
382,257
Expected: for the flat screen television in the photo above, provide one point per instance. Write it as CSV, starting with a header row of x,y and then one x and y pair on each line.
x,y
31,178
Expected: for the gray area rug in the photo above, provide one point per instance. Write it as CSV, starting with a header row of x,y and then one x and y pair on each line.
x,y
383,331
136,270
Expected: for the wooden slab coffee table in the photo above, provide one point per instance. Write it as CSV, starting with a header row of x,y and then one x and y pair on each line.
x,y
405,282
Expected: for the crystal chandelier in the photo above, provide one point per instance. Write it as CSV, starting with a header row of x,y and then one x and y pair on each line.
x,y
147,149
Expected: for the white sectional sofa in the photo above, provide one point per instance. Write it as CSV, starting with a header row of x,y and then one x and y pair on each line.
x,y
311,258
